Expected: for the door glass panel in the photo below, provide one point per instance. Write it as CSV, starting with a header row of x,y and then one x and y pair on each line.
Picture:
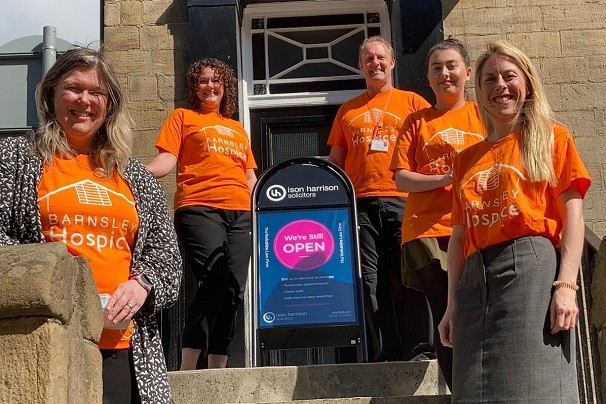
x,y
287,143
319,49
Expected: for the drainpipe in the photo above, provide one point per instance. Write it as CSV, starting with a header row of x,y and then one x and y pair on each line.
x,y
49,48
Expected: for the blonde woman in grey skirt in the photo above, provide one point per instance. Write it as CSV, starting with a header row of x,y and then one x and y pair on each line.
x,y
515,249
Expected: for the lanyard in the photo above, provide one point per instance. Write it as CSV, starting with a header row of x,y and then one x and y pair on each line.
x,y
378,123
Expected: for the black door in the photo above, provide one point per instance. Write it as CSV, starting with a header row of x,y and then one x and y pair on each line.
x,y
279,134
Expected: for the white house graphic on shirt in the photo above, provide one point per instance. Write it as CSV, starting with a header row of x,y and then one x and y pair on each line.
x,y
88,193
489,179
367,118
451,136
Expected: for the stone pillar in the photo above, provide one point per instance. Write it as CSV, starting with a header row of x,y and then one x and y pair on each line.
x,y
50,323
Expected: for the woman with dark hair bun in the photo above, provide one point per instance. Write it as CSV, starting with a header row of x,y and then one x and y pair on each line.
x,y
215,175
422,161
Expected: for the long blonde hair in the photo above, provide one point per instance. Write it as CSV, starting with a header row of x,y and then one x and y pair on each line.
x,y
112,144
537,118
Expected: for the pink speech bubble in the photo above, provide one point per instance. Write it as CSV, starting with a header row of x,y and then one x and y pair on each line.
x,y
304,245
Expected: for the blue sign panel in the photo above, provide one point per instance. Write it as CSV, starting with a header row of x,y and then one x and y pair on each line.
x,y
305,270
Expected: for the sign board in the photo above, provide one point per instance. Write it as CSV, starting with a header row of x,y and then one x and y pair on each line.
x,y
306,273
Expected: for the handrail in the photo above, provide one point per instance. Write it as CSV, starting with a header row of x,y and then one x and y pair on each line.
x,y
588,359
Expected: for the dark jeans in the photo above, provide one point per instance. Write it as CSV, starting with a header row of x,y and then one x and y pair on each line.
x,y
397,317
215,244
434,281
119,383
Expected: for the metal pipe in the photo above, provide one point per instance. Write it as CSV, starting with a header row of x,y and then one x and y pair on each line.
x,y
49,48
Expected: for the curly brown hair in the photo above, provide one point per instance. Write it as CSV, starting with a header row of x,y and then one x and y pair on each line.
x,y
229,102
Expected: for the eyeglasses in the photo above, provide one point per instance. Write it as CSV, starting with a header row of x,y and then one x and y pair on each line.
x,y
207,82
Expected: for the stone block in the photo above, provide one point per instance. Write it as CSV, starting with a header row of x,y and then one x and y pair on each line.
x,y
164,12
169,62
583,42
87,303
580,123
149,115
545,44
84,375
599,228
578,16
166,87
597,67
121,38
558,70
129,61
93,378
111,14
37,280
34,364
142,88
503,20
156,37
584,95
600,120
131,12
519,3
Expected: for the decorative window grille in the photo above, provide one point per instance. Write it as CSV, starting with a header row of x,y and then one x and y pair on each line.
x,y
314,51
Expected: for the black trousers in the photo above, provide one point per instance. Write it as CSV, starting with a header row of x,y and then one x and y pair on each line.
x,y
215,244
434,281
397,317
119,383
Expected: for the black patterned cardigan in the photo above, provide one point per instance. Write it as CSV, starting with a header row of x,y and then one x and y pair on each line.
x,y
156,253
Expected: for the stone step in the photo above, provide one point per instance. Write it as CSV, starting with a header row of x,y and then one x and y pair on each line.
x,y
395,381
442,399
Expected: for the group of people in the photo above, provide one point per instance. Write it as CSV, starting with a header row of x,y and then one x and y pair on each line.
x,y
474,206
489,197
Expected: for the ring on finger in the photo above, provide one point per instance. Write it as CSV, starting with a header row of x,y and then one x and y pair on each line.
x,y
130,305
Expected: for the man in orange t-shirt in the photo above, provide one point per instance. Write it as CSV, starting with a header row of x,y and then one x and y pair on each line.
x,y
362,140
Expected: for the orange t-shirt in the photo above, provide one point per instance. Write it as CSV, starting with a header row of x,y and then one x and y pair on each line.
x,y
427,144
353,129
213,155
95,217
496,202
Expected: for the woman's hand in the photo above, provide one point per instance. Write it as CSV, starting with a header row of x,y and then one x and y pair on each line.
x,y
446,327
563,310
126,301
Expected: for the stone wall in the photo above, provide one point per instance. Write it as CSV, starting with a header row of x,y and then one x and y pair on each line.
x,y
50,323
147,42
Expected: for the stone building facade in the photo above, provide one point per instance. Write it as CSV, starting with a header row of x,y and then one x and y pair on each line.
x,y
288,109
151,42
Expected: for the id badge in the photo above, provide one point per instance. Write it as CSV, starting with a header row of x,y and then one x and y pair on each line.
x,y
379,145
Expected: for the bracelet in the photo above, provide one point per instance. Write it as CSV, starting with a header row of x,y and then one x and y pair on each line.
x,y
566,284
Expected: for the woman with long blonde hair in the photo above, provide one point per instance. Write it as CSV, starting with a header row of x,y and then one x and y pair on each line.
x,y
515,249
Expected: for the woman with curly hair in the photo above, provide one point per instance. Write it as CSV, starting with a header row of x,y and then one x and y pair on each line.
x,y
215,174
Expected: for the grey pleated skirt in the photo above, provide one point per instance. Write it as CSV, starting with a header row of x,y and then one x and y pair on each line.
x,y
503,349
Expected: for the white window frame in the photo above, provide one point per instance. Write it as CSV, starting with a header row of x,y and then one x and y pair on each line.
x,y
298,9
